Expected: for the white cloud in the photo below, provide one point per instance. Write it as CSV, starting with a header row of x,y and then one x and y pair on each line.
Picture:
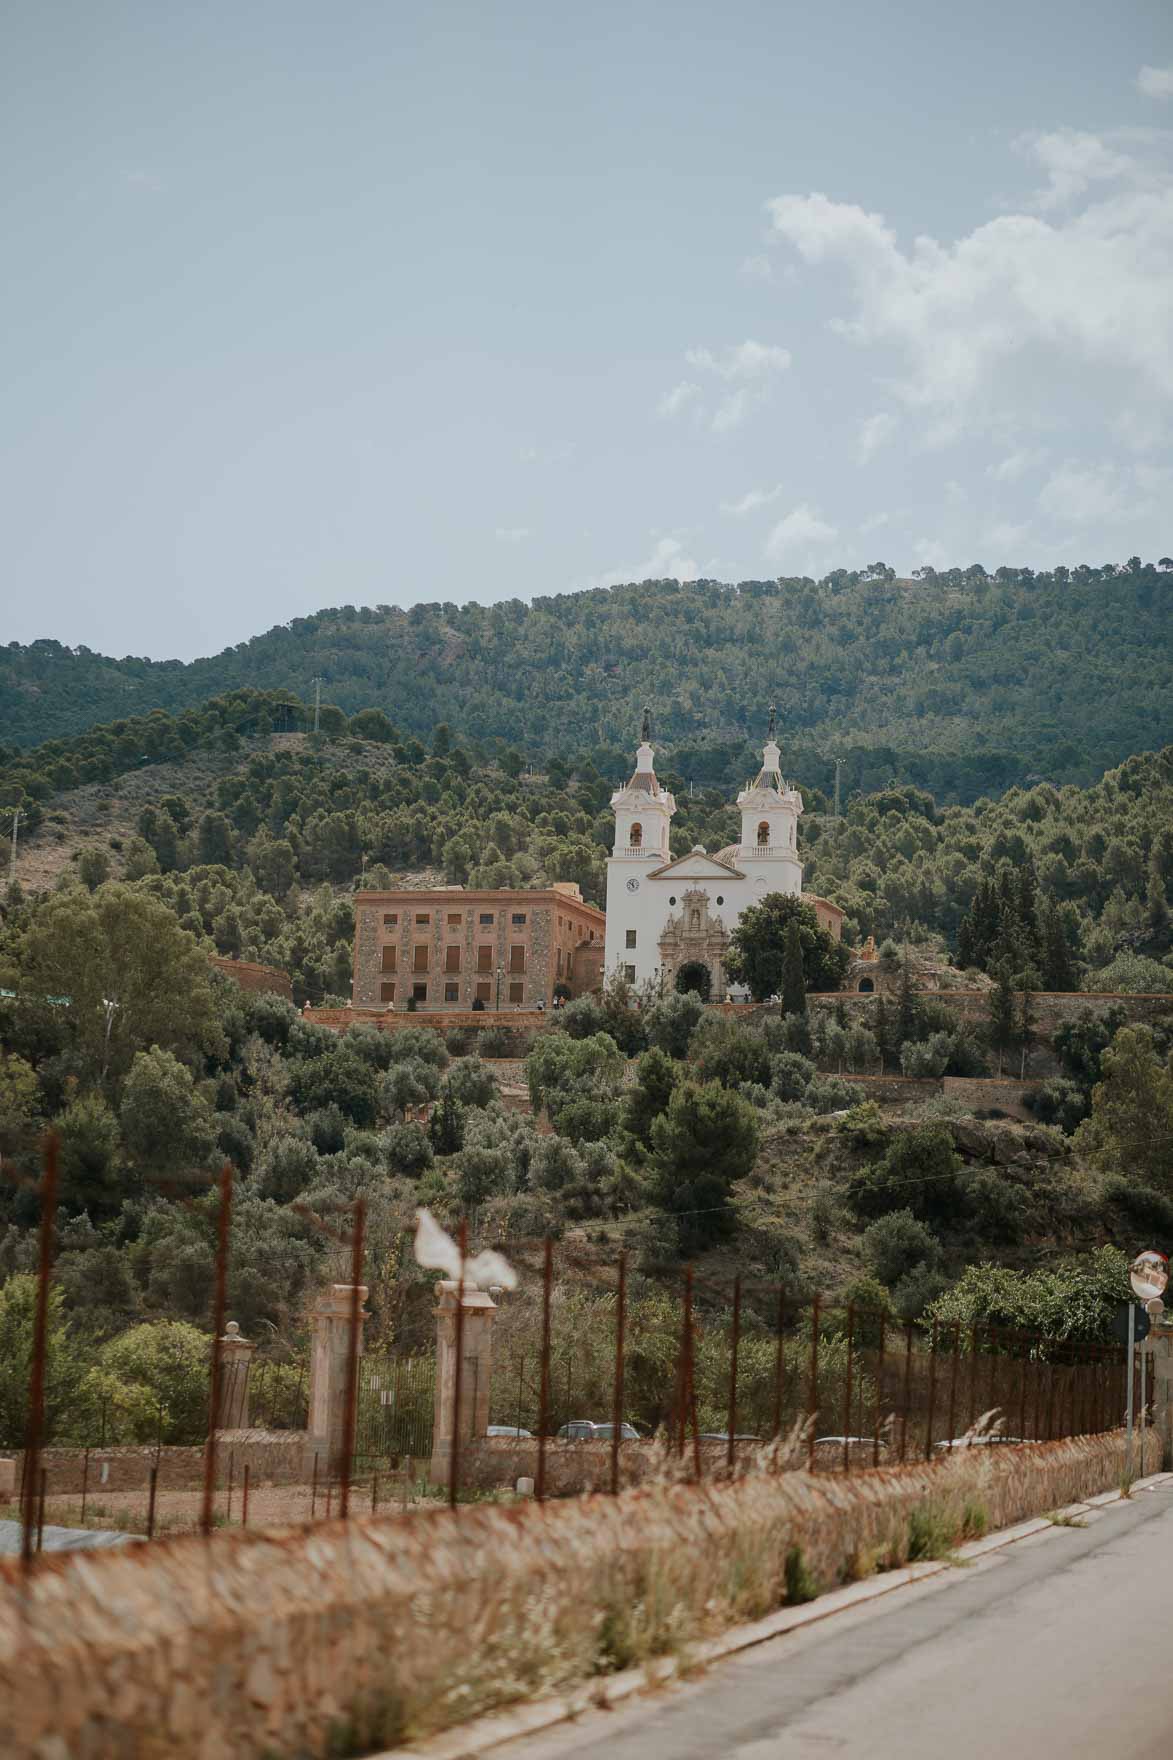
x,y
874,432
680,398
745,367
751,501
513,534
1106,494
1090,289
668,561
1015,465
1155,82
1074,161
799,532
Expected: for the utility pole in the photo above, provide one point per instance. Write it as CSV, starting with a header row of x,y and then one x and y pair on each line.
x,y
12,860
317,684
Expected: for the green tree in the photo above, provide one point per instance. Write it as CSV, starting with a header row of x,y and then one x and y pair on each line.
x,y
656,1078
1002,1024
1131,1125
19,1102
758,944
90,1153
793,977
65,1362
93,867
166,1125
725,1051
167,1361
671,1023
707,1138
115,970
918,1173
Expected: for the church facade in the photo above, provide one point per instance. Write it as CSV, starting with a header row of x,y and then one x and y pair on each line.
x,y
670,920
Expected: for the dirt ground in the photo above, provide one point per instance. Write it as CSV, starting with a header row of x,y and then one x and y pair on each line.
x,y
269,1506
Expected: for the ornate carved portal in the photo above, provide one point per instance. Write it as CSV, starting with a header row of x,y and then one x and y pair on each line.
x,y
693,936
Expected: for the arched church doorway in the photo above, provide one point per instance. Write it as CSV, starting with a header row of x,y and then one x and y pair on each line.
x,y
866,986
695,976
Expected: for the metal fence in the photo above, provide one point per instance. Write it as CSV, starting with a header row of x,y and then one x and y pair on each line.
x,y
396,1408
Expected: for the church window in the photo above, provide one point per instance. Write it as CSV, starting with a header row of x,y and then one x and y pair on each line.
x,y
389,956
629,974
720,900
452,959
452,992
637,835
387,993
419,993
631,938
763,833
866,986
517,992
486,919
420,957
671,901
484,957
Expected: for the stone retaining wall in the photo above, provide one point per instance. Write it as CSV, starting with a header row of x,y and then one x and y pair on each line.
x,y
340,1638
273,1457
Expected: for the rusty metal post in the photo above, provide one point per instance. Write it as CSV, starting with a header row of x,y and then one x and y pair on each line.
x,y
219,1305
847,1390
687,1390
244,1498
879,1396
991,1345
932,1392
314,1490
85,1485
1022,1401
544,1381
813,1400
457,1374
520,1384
350,1418
231,1474
375,1491
973,1354
617,1402
41,1509
151,1503
1049,1424
907,1394
953,1380
780,1363
731,1446
35,1429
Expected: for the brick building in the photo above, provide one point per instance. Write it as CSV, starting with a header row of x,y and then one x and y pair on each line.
x,y
449,948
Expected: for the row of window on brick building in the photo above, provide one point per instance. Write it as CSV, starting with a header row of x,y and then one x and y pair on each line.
x,y
421,959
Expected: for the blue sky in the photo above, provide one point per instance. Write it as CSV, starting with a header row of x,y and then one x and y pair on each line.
x,y
377,303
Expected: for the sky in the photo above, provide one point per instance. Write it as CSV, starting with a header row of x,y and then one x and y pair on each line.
x,y
385,302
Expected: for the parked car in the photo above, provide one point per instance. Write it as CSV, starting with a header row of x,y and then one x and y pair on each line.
x,y
513,1430
584,1430
723,1436
974,1441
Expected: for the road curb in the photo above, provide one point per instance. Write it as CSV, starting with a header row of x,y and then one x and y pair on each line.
x,y
492,1731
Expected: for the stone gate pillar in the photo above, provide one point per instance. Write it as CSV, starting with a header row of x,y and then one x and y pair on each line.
x,y
330,1319
476,1374
236,1355
1158,1346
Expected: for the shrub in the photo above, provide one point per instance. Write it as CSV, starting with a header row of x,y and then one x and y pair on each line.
x,y
495,1042
406,1149
1148,1211
896,1243
416,1044
167,1360
918,1173
583,1018
288,1167
926,1057
472,1084
726,1052
791,1075
916,1290
672,1023
1059,1102
1000,1209
830,1094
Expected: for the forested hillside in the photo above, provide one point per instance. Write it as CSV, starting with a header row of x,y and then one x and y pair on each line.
x,y
960,682
256,838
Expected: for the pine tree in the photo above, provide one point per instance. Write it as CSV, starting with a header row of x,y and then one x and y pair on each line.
x,y
1026,1028
793,977
883,1030
1157,908
908,1015
1002,1014
1058,968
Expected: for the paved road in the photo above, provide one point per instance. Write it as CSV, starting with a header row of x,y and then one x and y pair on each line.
x,y
1061,1645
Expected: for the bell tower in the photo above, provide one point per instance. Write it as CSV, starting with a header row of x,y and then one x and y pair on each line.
x,y
769,820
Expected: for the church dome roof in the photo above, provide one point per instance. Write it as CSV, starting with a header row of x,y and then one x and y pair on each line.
x,y
730,855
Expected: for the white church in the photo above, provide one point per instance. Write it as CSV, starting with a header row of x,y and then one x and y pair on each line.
x,y
669,921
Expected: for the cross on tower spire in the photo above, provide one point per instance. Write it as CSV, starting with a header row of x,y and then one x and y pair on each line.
x,y
645,732
773,718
